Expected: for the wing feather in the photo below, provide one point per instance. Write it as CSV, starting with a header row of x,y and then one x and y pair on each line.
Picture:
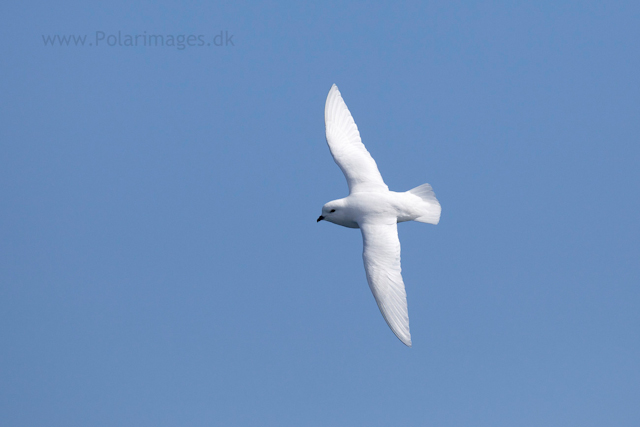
x,y
381,255
347,148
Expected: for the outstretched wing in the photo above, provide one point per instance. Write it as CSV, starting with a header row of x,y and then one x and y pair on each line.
x,y
381,257
347,148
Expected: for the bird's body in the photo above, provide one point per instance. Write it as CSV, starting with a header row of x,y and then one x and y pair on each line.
x,y
376,206
374,209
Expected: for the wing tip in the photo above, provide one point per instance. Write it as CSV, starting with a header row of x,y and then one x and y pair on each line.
x,y
405,340
333,103
334,89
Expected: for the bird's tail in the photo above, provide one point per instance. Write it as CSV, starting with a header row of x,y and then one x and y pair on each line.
x,y
431,206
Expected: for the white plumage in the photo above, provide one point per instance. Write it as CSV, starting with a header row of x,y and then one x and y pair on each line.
x,y
374,209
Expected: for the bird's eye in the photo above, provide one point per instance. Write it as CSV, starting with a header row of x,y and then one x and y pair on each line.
x,y
332,210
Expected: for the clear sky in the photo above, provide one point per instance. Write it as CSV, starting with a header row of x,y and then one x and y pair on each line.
x,y
160,260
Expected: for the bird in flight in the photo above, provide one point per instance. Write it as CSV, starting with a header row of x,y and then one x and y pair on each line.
x,y
376,211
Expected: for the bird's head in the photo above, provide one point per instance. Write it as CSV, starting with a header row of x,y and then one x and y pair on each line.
x,y
332,212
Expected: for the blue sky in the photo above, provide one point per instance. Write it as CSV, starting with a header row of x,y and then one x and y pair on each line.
x,y
160,262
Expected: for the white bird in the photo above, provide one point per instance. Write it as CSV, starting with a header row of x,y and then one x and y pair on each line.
x,y
374,209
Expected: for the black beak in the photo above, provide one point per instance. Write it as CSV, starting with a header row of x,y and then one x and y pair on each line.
x,y
320,218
